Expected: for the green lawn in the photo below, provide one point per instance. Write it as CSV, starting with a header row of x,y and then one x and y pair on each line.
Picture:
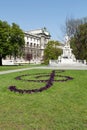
x,y
61,107
12,67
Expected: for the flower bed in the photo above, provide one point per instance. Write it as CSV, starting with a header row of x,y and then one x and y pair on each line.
x,y
49,82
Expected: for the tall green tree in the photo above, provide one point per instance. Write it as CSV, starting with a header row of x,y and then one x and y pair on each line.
x,y
79,42
16,40
4,39
11,40
52,51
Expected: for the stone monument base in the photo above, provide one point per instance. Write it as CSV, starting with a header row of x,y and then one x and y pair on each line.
x,y
67,62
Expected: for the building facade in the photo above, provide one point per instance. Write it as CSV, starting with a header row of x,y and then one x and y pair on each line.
x,y
35,43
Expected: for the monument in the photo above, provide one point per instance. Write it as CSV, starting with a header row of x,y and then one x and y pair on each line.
x,y
67,57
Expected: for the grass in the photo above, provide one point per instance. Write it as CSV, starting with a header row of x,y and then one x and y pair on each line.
x,y
61,107
12,67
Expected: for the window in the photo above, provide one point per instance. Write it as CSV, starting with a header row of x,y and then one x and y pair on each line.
x,y
27,37
30,44
34,39
37,45
31,38
27,43
34,44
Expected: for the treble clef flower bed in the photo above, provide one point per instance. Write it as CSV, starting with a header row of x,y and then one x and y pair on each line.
x,y
49,82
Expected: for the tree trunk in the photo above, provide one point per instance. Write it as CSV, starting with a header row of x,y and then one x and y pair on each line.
x,y
0,60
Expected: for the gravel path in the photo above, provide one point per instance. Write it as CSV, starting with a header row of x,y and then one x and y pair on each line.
x,y
47,67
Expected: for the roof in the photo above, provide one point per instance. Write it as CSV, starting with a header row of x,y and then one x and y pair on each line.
x,y
39,31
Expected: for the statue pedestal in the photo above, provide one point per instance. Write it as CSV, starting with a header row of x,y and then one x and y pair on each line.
x,y
67,57
67,61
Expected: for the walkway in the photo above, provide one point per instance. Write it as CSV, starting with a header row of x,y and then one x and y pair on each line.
x,y
47,67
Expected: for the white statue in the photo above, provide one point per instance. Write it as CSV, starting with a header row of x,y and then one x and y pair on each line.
x,y
67,38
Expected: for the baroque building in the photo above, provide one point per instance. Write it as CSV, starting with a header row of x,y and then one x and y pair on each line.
x,y
35,43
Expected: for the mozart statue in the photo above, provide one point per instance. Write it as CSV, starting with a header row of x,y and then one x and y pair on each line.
x,y
67,40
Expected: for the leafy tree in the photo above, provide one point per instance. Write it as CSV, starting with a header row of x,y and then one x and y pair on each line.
x,y
11,40
76,29
51,51
16,40
4,39
79,42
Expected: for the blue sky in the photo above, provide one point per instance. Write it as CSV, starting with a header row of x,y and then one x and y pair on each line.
x,y
35,14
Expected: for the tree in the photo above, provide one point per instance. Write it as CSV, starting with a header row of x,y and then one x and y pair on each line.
x,y
79,42
16,40
11,40
51,51
76,29
71,25
4,39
